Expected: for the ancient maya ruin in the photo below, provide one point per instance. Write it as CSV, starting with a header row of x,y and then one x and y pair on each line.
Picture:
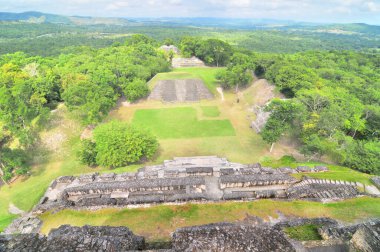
x,y
187,62
197,180
191,179
186,90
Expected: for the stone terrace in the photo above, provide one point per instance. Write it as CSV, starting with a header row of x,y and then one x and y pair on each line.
x,y
187,90
190,179
187,62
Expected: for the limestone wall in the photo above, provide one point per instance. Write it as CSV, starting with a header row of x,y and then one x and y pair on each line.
x,y
189,179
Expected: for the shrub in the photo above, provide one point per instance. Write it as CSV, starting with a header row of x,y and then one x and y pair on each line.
x,y
87,153
13,161
119,144
135,90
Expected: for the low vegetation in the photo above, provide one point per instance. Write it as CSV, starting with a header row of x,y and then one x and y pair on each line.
x,y
307,232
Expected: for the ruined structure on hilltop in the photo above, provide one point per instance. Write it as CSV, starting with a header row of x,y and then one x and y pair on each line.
x,y
170,48
190,179
187,62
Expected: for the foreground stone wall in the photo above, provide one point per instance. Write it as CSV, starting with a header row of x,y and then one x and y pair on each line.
x,y
68,238
226,237
230,237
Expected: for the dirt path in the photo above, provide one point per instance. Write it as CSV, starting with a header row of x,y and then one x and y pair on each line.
x,y
220,91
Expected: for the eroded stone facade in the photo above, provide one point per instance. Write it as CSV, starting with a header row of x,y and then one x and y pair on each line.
x,y
190,179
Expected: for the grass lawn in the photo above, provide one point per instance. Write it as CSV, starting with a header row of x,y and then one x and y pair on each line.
x,y
181,122
157,222
210,111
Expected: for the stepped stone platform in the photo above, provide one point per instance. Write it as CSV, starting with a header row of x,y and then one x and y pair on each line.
x,y
187,62
187,179
187,90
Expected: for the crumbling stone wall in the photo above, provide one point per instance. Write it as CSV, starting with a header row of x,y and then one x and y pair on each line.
x,y
190,179
230,237
68,238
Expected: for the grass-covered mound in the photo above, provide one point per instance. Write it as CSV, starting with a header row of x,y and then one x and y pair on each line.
x,y
181,122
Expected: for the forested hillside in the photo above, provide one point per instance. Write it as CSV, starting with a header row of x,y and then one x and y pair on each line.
x,y
51,39
89,82
333,106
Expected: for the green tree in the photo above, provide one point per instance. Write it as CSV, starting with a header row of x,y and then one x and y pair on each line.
x,y
364,156
91,101
119,144
135,90
214,52
283,114
13,161
188,46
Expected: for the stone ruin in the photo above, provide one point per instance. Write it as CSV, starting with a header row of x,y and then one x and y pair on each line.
x,y
376,181
237,237
187,62
170,48
186,90
67,238
230,237
190,179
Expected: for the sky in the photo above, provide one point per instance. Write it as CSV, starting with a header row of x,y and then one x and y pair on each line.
x,y
322,11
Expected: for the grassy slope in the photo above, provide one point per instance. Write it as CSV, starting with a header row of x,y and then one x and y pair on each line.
x,y
172,123
159,221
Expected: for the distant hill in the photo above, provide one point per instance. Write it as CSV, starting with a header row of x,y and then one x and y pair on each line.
x,y
201,22
39,17
34,17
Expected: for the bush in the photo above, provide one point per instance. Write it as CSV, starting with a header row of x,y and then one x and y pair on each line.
x,y
119,144
13,161
364,156
135,90
87,153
